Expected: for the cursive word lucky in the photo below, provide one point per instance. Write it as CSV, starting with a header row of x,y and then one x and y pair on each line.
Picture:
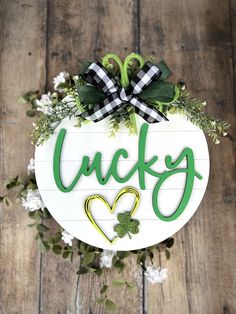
x,y
142,166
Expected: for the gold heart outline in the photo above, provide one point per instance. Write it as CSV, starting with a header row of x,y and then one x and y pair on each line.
x,y
111,208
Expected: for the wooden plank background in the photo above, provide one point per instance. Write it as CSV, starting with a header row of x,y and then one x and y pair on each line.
x,y
40,38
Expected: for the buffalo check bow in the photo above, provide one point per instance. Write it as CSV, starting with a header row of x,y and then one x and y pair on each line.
x,y
98,76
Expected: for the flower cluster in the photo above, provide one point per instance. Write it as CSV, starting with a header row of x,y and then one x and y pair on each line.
x,y
33,200
156,274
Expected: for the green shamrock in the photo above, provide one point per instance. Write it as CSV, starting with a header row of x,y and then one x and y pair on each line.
x,y
126,225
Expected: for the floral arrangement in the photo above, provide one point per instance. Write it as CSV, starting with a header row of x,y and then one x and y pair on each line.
x,y
71,97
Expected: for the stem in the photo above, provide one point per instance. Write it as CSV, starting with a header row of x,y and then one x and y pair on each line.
x,y
105,63
127,60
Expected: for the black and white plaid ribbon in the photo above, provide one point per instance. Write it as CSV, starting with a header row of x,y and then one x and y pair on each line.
x,y
97,75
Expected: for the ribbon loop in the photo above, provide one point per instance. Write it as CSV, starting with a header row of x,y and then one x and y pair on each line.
x,y
97,75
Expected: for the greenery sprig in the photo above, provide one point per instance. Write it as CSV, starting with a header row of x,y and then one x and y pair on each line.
x,y
165,96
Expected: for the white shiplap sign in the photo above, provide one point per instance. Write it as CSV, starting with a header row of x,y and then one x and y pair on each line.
x,y
163,139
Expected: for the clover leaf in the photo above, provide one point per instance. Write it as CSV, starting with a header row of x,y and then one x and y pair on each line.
x,y
126,225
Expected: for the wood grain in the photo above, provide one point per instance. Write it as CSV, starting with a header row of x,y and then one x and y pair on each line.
x,y
22,58
79,31
195,40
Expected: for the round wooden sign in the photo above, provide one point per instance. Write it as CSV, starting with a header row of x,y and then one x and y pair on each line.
x,y
124,192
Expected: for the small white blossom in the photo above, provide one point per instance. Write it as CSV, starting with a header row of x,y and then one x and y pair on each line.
x,y
67,237
106,258
33,200
59,79
76,77
69,100
31,166
156,274
45,103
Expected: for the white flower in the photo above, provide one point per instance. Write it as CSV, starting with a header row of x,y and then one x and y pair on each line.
x,y
106,258
67,237
45,103
59,79
33,200
156,274
31,166
69,100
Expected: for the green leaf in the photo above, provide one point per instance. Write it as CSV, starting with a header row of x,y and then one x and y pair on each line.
x,y
88,258
121,232
166,72
104,289
170,242
66,254
34,214
31,225
11,183
124,218
43,245
141,258
167,253
31,113
84,67
119,265
133,228
98,271
42,228
100,300
118,282
159,91
82,270
89,94
28,97
57,249
131,285
110,306
122,254
7,201
126,225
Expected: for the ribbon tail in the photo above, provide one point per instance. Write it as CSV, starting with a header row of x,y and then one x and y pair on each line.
x,y
148,113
